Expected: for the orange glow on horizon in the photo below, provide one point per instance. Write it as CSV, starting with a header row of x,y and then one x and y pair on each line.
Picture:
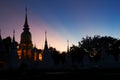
x,y
53,38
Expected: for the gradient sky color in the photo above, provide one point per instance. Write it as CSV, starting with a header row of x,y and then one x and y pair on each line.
x,y
63,19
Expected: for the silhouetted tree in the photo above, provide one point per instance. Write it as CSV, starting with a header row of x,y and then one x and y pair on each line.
x,y
74,50
111,46
92,46
115,49
77,53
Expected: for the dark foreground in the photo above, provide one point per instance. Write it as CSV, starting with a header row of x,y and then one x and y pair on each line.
x,y
91,74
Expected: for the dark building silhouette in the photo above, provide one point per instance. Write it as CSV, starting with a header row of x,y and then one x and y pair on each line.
x,y
3,55
28,54
13,55
47,56
2,48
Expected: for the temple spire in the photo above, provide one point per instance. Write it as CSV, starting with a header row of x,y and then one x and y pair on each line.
x,y
26,26
46,45
45,35
13,35
67,46
26,20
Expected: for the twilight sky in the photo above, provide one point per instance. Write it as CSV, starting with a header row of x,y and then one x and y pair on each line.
x,y
63,19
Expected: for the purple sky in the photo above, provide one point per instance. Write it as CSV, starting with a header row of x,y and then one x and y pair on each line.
x,y
63,19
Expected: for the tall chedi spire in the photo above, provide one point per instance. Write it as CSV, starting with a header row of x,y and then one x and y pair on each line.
x,y
26,45
26,38
26,26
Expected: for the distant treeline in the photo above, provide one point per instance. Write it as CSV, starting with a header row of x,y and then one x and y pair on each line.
x,y
93,47
90,46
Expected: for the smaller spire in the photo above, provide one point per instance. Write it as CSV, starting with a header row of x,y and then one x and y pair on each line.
x,y
67,46
14,35
14,44
14,32
45,35
46,45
